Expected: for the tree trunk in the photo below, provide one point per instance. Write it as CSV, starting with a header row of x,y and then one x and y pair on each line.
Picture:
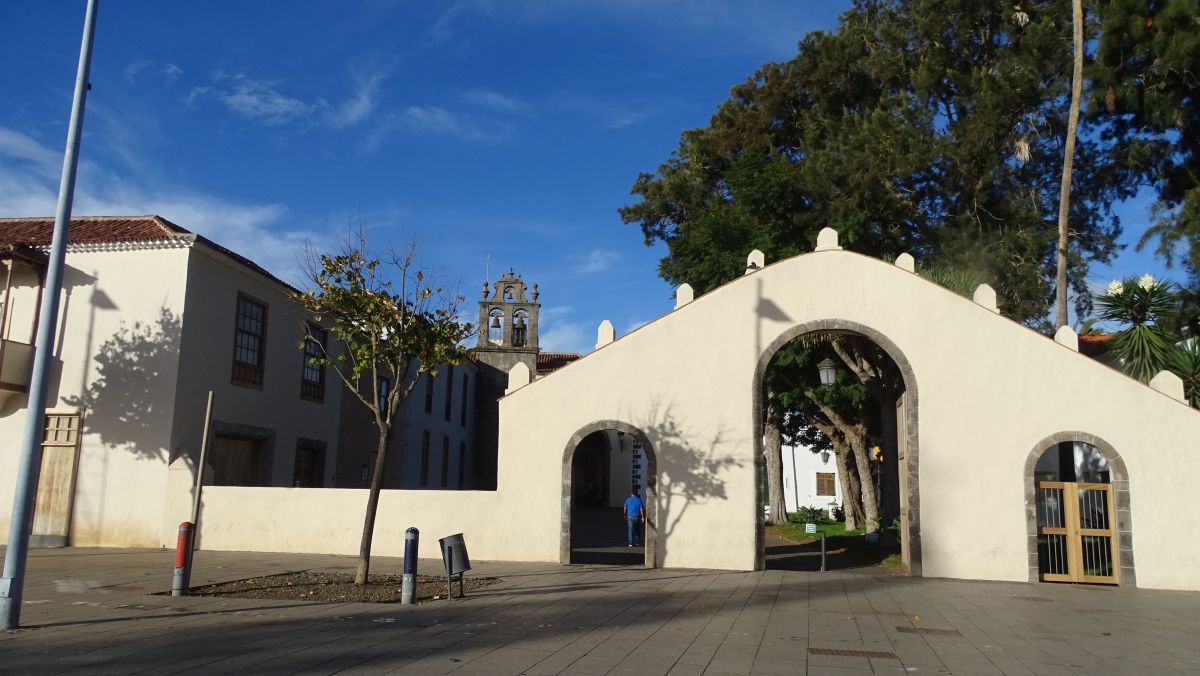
x,y
856,437
364,548
773,448
858,445
851,490
1064,195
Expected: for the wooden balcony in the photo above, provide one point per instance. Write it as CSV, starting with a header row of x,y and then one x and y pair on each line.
x,y
16,362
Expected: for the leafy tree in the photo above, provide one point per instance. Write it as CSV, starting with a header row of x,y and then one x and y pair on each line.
x,y
391,321
918,125
1146,92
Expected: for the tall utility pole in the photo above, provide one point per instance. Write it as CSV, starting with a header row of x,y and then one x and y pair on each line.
x,y
13,582
1064,197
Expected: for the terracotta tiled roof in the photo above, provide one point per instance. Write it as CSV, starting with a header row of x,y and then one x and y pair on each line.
x,y
1094,345
39,232
552,361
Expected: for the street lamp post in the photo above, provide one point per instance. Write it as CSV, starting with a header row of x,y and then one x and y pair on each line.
x,y
827,370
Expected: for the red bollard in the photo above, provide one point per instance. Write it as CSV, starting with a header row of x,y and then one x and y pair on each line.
x,y
183,549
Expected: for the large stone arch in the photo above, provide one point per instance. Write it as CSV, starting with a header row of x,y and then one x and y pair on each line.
x,y
913,526
650,535
1121,503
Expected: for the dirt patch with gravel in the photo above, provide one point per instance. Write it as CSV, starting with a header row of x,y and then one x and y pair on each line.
x,y
317,587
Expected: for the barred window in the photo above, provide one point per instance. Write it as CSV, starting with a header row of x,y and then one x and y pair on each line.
x,y
249,341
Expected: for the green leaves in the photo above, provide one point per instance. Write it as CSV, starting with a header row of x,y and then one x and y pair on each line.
x,y
387,317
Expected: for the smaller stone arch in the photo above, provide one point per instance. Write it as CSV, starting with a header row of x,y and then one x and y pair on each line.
x,y
650,534
1121,504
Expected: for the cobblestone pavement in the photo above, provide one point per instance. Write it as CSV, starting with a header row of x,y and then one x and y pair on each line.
x,y
90,611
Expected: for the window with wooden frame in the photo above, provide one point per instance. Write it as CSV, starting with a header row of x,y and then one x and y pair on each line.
x,y
249,342
424,458
312,377
826,483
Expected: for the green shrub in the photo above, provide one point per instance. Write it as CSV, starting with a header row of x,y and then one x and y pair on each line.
x,y
811,515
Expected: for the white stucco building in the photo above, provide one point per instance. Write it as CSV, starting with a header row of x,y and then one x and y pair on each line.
x,y
810,479
152,318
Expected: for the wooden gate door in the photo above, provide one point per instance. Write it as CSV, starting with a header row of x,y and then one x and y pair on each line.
x,y
56,484
1076,539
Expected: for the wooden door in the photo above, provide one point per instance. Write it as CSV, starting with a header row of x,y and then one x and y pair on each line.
x,y
1076,538
56,484
234,461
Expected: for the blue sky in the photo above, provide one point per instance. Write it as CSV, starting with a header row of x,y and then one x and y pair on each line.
x,y
504,130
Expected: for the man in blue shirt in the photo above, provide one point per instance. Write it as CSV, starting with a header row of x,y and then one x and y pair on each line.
x,y
635,513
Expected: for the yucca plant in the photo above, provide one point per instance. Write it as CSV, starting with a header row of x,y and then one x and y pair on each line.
x,y
1141,305
1185,363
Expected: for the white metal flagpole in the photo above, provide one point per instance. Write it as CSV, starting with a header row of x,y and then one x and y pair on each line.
x,y
13,581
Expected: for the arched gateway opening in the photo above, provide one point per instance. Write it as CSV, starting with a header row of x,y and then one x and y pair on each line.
x,y
894,463
603,464
1078,518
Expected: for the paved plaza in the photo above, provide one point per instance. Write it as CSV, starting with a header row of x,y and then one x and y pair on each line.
x,y
91,611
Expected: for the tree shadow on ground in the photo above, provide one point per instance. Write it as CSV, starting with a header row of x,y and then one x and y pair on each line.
x,y
843,552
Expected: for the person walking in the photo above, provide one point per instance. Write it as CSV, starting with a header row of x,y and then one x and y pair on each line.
x,y
635,514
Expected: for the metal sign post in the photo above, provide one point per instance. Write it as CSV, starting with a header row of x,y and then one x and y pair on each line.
x,y
25,495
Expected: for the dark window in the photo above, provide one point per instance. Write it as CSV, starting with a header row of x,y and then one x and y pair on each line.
x,y
449,392
462,462
249,336
310,466
425,458
826,483
312,378
428,393
385,388
462,414
445,461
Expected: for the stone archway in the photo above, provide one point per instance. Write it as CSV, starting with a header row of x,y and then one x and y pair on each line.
x,y
651,498
911,530
1120,497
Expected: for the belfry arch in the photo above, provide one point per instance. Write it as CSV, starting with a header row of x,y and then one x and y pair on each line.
x,y
910,497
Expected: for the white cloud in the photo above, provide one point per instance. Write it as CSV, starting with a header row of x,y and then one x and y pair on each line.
x,y
260,101
359,106
263,102
29,187
597,260
438,121
495,101
566,337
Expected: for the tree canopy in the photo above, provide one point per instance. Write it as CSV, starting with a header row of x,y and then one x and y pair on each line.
x,y
927,126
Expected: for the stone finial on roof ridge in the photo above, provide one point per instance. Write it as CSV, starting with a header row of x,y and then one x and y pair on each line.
x,y
1066,335
1169,384
684,295
518,377
986,296
905,261
827,240
605,334
755,261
